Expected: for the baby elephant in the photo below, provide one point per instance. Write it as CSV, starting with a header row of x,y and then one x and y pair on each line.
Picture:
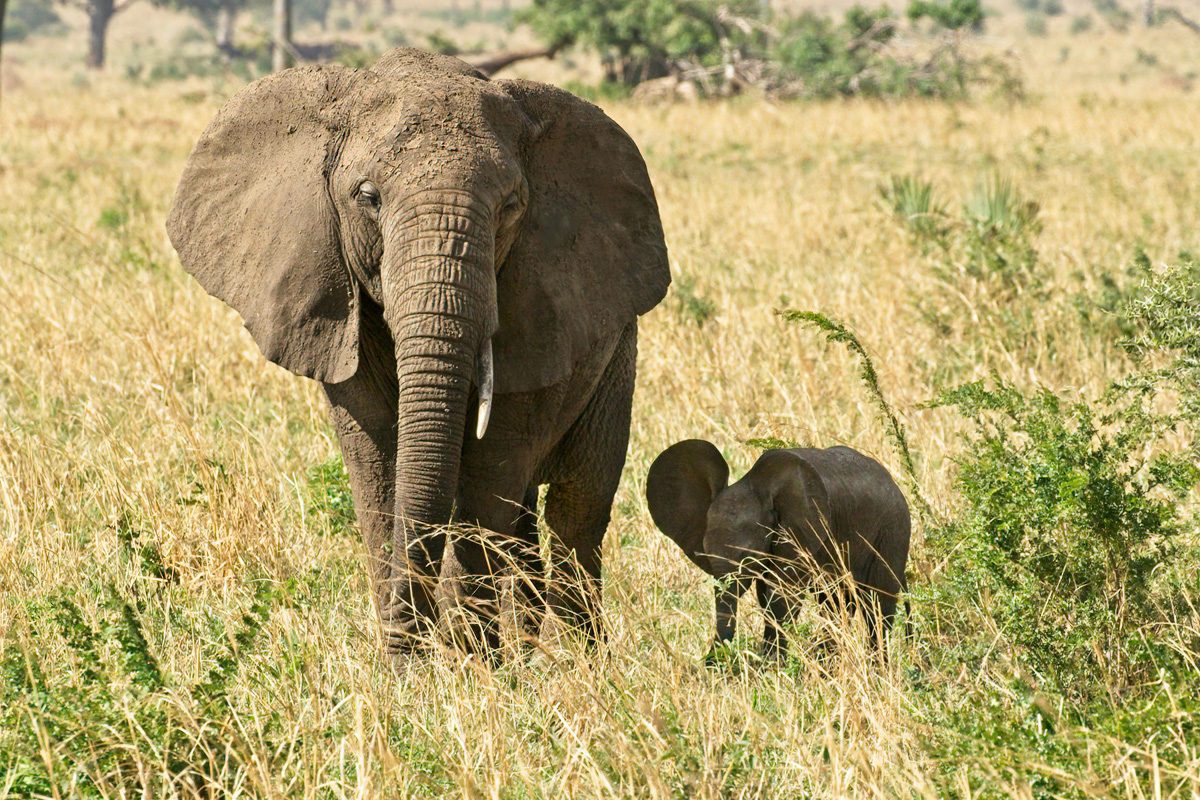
x,y
841,507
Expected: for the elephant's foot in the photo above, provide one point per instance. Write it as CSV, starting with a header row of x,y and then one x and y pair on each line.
x,y
522,612
487,602
773,648
406,616
722,655
563,633
401,639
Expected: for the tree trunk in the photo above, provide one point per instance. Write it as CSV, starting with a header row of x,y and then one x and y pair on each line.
x,y
226,16
100,13
281,55
3,4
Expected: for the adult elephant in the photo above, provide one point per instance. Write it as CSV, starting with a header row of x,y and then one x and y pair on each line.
x,y
461,263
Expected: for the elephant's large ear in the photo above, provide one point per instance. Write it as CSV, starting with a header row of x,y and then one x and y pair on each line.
x,y
253,222
798,495
589,256
680,487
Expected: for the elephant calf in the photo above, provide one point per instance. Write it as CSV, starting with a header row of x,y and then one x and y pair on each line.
x,y
795,510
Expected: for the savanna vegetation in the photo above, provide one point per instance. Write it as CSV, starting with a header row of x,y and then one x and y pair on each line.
x,y
996,297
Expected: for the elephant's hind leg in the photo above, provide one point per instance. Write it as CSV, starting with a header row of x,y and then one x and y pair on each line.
x,y
583,480
524,598
879,589
777,612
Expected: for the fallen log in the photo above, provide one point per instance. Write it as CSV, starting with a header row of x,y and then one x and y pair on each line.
x,y
491,63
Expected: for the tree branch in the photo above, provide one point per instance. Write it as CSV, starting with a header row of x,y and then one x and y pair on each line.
x,y
490,64
1174,13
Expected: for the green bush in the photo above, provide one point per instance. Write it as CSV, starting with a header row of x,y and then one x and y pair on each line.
x,y
1057,627
992,242
439,42
1107,308
827,59
636,39
86,704
27,17
1071,556
1070,508
998,233
1112,13
329,501
805,55
952,15
819,58
693,306
911,201
1165,314
1075,526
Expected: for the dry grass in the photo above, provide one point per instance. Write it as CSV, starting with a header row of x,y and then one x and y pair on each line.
x,y
131,404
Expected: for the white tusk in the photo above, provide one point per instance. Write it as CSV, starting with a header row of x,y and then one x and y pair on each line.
x,y
483,378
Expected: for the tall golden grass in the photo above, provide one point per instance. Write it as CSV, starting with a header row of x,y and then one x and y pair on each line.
x,y
132,404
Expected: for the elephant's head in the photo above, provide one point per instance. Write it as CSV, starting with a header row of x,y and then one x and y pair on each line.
x,y
733,531
498,227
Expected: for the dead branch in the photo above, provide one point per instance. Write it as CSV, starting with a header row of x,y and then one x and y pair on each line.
x,y
1171,12
491,63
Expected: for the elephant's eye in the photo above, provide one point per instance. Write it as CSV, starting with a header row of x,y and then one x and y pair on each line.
x,y
368,195
510,207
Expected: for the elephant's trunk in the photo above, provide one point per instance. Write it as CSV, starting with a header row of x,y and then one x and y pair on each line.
x,y
734,557
439,286
727,593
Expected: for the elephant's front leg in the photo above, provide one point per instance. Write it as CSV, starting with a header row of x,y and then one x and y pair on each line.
x,y
363,412
492,563
725,603
584,480
491,573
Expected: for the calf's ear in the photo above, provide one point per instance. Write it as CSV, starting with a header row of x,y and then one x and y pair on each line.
x,y
681,485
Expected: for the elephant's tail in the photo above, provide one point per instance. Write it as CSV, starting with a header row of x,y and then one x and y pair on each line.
x,y
908,630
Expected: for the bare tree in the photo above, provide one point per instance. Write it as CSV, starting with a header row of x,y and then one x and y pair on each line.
x,y
3,7
226,16
282,49
100,14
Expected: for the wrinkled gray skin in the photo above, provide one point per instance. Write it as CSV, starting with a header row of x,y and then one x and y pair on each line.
x,y
838,506
406,235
